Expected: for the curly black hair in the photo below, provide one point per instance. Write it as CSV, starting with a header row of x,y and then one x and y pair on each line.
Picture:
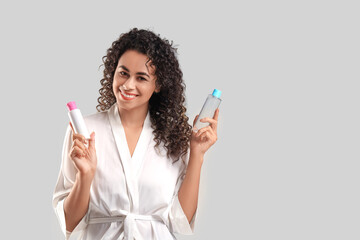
x,y
167,110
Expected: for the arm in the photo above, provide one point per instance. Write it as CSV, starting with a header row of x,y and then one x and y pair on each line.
x,y
77,202
189,190
200,142
84,157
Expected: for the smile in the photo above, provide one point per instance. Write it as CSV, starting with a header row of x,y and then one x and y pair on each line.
x,y
127,97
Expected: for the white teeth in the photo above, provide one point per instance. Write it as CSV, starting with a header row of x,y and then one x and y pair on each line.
x,y
128,96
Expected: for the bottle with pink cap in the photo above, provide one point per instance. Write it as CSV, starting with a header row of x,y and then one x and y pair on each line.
x,y
77,120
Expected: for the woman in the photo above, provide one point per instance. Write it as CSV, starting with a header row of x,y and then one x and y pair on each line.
x,y
139,177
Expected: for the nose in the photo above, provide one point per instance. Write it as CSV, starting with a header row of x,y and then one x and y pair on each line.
x,y
129,84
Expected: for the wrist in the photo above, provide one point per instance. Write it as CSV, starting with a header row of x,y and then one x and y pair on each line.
x,y
196,156
85,176
196,152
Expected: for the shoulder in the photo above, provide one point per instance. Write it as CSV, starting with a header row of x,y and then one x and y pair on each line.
x,y
97,119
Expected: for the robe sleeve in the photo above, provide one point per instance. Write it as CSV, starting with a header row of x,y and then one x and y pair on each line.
x,y
64,184
178,221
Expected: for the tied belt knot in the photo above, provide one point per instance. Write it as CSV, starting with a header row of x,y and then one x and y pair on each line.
x,y
129,224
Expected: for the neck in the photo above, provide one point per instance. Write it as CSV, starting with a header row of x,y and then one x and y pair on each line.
x,y
134,118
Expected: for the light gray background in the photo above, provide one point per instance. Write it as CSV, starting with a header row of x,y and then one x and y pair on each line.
x,y
286,163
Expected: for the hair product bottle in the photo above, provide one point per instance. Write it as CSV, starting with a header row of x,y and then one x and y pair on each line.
x,y
211,104
77,120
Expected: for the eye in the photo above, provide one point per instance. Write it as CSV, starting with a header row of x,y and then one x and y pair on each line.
x,y
122,73
142,79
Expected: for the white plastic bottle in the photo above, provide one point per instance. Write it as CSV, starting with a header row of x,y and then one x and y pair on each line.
x,y
211,104
77,120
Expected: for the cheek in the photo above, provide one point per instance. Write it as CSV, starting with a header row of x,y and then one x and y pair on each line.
x,y
115,88
115,84
147,90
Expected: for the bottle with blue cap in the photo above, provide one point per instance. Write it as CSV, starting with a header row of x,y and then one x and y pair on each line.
x,y
211,104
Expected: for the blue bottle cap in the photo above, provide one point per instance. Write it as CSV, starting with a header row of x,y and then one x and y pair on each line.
x,y
216,93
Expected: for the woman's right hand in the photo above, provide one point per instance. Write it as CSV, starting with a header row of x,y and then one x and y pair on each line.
x,y
84,157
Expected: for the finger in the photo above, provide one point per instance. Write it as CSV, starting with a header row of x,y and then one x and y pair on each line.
x,y
208,136
211,126
204,129
213,122
86,153
209,120
79,137
72,131
79,144
92,141
216,114
72,128
204,136
197,116
76,135
76,152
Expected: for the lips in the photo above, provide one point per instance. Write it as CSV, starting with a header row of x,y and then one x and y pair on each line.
x,y
128,96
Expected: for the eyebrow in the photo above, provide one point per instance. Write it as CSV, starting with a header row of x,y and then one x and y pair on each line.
x,y
138,73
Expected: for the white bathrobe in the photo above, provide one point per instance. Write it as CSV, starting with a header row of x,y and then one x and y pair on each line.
x,y
130,197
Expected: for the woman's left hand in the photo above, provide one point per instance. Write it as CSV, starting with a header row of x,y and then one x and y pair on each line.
x,y
205,137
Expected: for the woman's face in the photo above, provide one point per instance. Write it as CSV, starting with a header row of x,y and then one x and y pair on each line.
x,y
135,78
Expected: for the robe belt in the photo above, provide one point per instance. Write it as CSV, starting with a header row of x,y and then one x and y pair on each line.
x,y
128,219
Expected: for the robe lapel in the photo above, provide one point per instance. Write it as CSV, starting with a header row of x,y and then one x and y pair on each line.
x,y
130,165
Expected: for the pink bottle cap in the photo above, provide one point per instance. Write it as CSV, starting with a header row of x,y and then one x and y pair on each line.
x,y
71,105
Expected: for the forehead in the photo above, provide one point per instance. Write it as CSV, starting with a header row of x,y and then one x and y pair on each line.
x,y
136,62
